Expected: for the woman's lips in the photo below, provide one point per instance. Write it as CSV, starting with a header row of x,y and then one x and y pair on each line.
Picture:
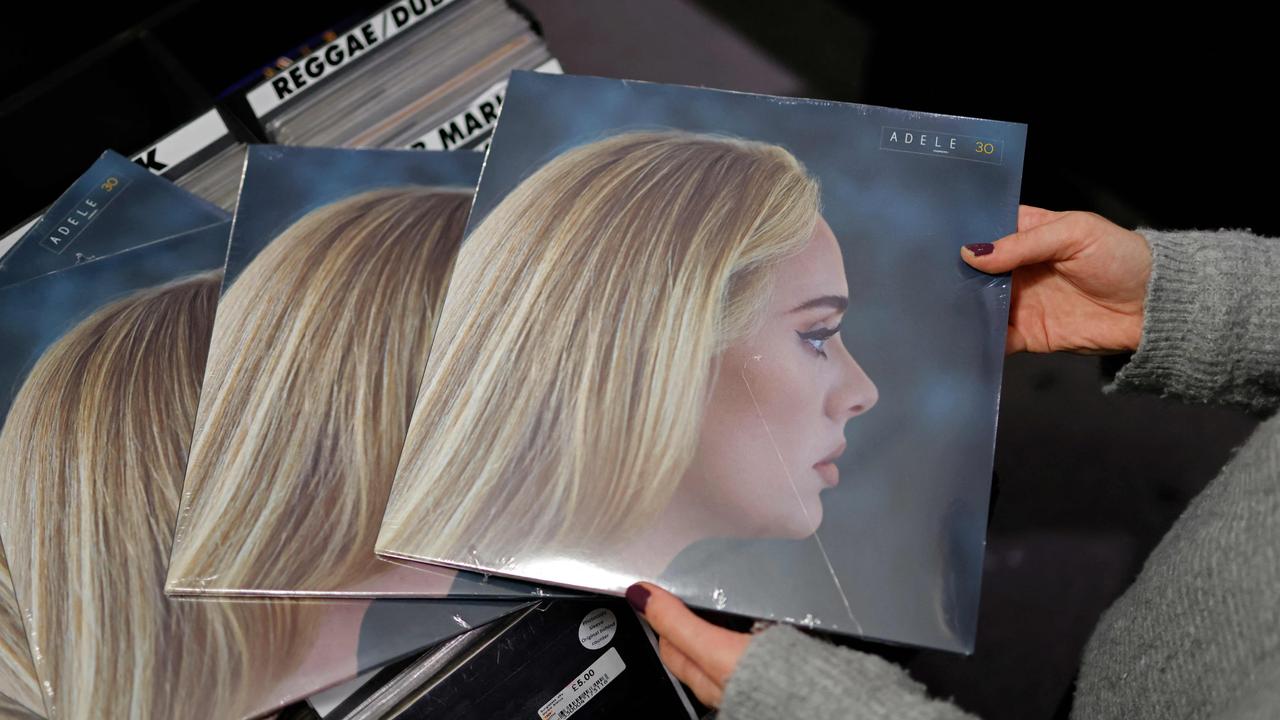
x,y
827,469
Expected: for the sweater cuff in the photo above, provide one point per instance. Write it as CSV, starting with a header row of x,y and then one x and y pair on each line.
x,y
786,673
1211,326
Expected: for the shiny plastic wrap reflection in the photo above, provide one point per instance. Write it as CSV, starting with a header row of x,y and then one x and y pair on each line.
x,y
379,695
104,363
723,342
335,271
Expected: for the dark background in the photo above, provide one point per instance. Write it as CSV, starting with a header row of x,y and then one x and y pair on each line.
x,y
1149,120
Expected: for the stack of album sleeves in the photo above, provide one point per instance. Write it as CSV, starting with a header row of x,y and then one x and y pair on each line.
x,y
391,430
425,75
418,74
108,316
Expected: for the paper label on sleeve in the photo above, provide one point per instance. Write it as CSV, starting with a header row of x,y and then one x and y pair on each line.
x,y
587,685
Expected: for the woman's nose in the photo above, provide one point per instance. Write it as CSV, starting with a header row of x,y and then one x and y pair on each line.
x,y
856,393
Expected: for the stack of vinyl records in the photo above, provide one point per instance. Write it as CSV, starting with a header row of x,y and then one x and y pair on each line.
x,y
434,83
268,425
418,74
202,157
512,668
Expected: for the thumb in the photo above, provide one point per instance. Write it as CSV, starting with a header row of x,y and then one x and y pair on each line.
x,y
1053,240
714,649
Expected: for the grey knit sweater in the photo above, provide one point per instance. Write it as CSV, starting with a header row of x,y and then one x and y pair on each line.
x,y
1198,633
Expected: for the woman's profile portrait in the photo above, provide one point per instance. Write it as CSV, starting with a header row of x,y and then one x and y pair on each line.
x,y
657,359
721,342
779,405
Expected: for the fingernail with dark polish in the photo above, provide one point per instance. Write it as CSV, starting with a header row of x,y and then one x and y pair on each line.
x,y
981,248
638,597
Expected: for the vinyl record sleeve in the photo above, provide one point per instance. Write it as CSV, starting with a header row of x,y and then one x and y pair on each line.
x,y
151,211
202,156
337,264
724,342
584,659
98,389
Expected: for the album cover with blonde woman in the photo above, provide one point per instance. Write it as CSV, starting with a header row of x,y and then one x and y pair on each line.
x,y
726,343
57,250
337,265
99,380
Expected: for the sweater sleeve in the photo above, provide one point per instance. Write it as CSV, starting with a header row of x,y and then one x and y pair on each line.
x,y
1211,330
786,673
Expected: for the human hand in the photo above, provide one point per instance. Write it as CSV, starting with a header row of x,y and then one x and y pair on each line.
x,y
1079,282
700,654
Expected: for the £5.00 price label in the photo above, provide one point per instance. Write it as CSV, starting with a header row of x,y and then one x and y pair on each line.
x,y
585,686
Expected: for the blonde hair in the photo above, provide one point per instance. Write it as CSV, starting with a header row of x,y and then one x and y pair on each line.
x,y
19,690
316,358
93,451
564,394
12,709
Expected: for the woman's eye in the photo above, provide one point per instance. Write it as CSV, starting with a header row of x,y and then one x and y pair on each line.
x,y
817,339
